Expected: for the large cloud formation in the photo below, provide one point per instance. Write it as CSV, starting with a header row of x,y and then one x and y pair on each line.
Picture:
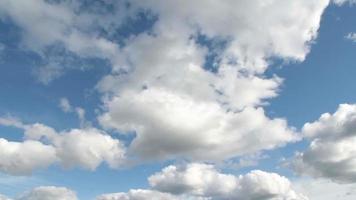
x,y
202,181
42,146
172,85
332,152
177,108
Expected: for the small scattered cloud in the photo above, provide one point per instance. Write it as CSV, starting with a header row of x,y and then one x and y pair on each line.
x,y
342,2
351,36
65,105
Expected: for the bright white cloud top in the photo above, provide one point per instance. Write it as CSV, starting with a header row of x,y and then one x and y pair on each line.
x,y
201,181
42,146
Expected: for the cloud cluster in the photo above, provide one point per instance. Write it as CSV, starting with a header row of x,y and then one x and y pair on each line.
x,y
201,181
46,193
67,29
176,107
194,181
332,151
42,146
161,87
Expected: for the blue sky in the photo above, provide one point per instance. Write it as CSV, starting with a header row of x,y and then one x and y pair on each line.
x,y
121,63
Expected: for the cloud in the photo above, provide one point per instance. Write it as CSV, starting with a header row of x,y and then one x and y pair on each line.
x,y
2,197
194,181
331,153
351,36
64,25
46,74
138,195
169,125
88,148
42,146
65,105
166,64
49,192
201,181
325,189
177,108
25,157
341,2
257,30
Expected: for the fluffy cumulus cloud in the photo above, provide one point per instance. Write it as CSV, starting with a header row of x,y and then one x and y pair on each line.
x,y
162,87
168,124
177,108
24,157
331,153
42,146
257,29
194,181
200,181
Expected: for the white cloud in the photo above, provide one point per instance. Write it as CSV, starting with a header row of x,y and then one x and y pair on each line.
x,y
46,74
21,158
138,195
351,36
169,125
169,63
65,105
47,24
86,148
191,182
49,193
201,181
331,153
258,29
341,2
179,109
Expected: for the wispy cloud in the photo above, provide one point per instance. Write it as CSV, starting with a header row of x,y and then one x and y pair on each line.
x,y
351,36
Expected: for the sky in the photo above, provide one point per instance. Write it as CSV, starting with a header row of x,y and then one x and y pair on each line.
x,y
177,100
